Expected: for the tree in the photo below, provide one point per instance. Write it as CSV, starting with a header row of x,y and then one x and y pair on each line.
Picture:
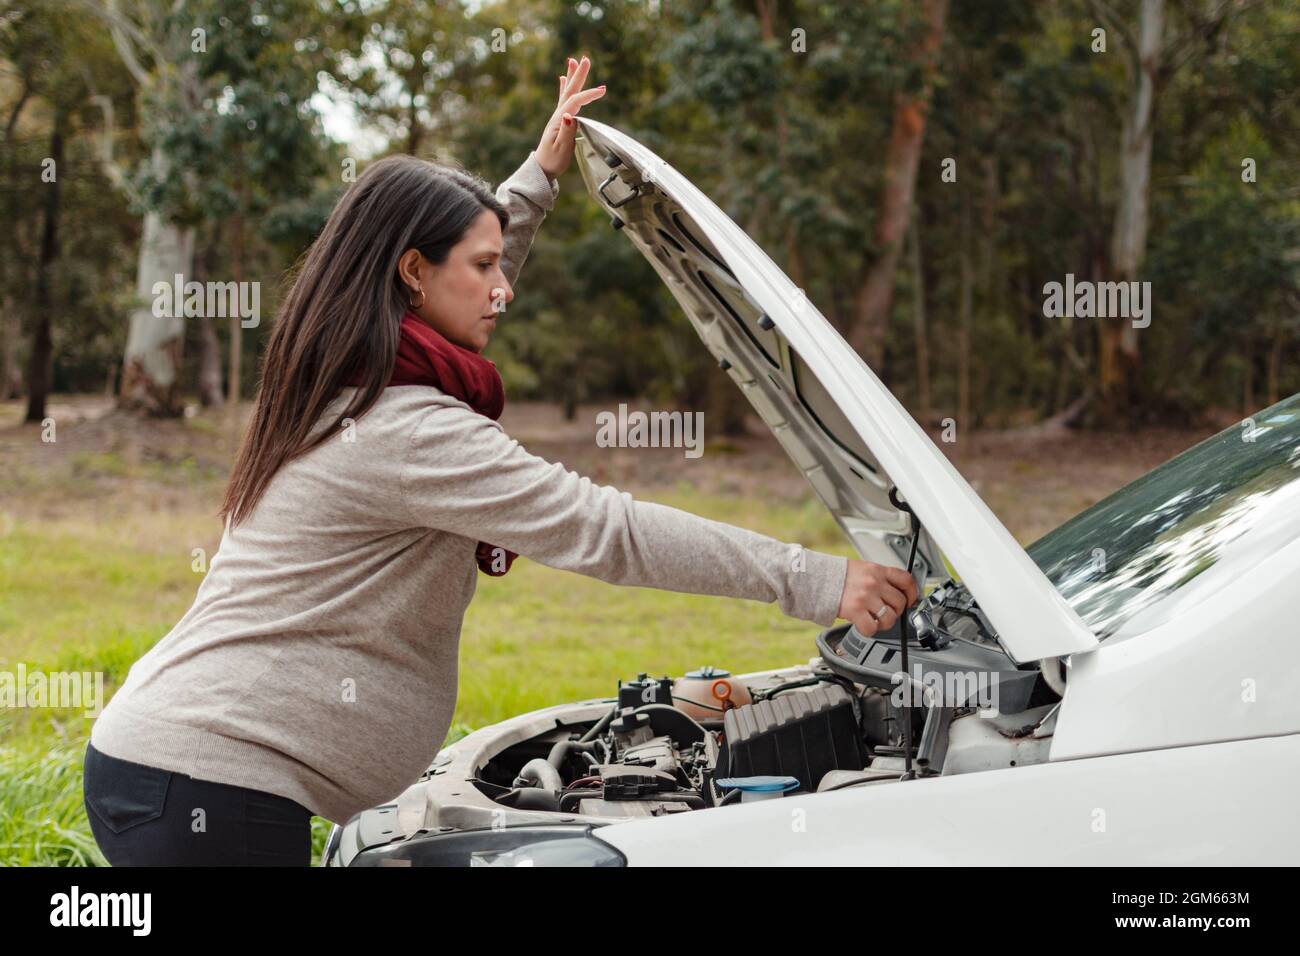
x,y
254,145
418,65
1153,55
56,56
228,94
150,39
875,294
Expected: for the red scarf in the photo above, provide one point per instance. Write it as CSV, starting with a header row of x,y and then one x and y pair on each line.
x,y
425,357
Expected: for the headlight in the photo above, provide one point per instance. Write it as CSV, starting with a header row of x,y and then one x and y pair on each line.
x,y
582,852
571,845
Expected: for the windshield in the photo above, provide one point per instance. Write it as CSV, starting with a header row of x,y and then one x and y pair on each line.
x,y
1171,538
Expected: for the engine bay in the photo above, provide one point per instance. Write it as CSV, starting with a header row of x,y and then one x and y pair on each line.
x,y
710,739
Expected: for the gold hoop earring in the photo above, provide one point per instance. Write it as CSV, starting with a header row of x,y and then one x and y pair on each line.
x,y
421,303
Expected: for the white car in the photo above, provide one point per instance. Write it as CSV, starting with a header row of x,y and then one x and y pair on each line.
x,y
1125,692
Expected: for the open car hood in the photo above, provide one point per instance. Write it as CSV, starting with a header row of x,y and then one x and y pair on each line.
x,y
843,429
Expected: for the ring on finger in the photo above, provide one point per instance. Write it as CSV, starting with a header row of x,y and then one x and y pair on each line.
x,y
878,614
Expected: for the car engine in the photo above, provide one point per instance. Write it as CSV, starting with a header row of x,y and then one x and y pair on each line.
x,y
710,739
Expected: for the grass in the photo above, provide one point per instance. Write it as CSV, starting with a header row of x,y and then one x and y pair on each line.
x,y
42,817
88,595
74,581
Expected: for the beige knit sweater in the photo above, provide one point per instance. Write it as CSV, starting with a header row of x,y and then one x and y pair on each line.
x,y
319,660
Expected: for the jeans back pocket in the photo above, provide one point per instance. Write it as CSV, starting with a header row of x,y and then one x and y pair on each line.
x,y
123,794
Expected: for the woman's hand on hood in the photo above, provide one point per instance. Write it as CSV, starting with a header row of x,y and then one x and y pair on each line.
x,y
555,150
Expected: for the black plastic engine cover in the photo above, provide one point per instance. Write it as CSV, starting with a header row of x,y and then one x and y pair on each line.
x,y
628,783
801,734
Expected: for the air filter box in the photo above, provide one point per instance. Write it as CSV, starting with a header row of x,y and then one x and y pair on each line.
x,y
802,734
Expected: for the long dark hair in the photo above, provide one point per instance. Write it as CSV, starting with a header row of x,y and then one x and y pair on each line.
x,y
344,308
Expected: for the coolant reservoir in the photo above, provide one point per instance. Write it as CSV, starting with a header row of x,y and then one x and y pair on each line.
x,y
758,788
705,693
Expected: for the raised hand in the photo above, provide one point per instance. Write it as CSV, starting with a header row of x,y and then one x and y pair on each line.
x,y
555,151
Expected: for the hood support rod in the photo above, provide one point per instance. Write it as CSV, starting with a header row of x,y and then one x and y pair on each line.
x,y
905,622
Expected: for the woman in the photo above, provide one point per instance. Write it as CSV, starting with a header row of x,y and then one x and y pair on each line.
x,y
316,671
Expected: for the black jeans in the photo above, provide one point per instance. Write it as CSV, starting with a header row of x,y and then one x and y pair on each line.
x,y
144,816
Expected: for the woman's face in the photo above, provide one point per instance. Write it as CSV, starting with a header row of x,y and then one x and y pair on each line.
x,y
463,296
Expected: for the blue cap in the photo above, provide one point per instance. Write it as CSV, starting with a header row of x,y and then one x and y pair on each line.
x,y
707,671
759,784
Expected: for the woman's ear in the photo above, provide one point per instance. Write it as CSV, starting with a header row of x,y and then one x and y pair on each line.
x,y
408,268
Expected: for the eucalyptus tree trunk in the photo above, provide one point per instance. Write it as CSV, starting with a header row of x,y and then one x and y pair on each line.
x,y
152,360
40,361
875,293
210,382
11,378
966,319
1120,359
923,402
